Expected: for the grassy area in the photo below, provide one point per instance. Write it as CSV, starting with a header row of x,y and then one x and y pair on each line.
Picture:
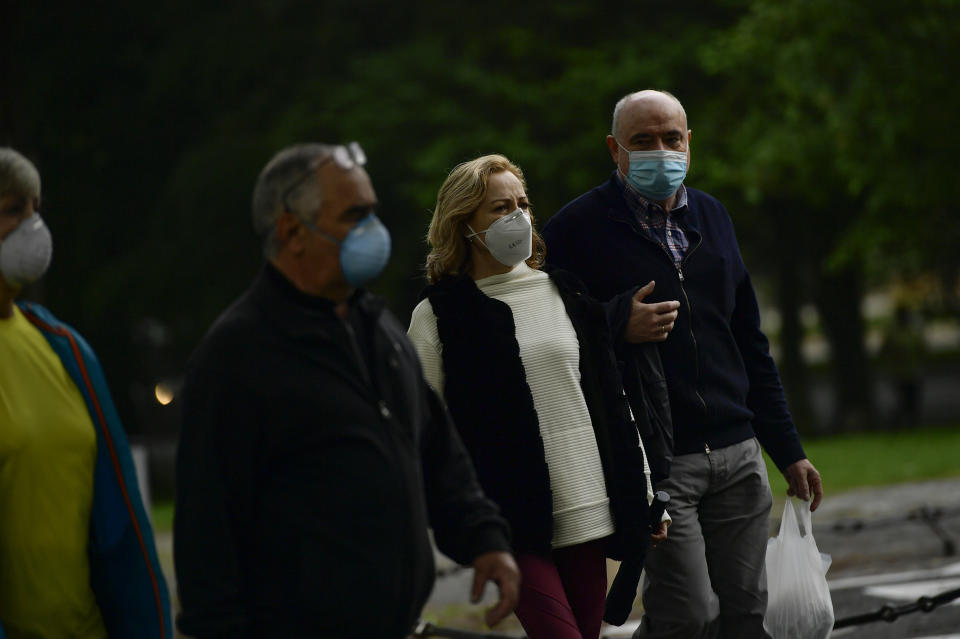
x,y
163,516
871,459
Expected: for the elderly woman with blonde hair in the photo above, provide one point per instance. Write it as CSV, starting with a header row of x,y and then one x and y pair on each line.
x,y
524,361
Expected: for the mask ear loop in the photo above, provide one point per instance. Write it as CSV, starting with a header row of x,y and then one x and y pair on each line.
x,y
476,233
625,150
363,222
326,236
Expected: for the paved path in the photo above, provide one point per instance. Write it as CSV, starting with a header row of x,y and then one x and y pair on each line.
x,y
894,563
893,560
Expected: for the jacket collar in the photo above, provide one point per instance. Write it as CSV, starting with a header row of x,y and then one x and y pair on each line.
x,y
616,203
298,314
611,192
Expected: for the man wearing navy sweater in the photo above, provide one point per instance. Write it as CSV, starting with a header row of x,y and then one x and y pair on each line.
x,y
665,259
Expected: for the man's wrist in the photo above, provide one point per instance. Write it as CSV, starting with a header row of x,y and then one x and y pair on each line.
x,y
490,538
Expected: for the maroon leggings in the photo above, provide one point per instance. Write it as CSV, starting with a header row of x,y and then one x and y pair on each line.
x,y
562,596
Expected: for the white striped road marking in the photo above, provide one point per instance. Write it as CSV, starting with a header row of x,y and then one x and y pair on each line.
x,y
618,632
914,590
893,577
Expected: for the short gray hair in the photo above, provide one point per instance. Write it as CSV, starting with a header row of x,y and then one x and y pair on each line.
x,y
286,169
18,175
622,102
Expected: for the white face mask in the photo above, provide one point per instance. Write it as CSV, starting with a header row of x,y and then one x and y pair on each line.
x,y
26,252
509,239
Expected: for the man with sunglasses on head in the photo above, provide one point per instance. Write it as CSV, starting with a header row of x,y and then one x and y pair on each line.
x,y
313,456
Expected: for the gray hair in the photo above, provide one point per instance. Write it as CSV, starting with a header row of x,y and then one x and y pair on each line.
x,y
18,176
285,170
630,97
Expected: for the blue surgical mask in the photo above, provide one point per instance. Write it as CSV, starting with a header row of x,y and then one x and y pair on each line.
x,y
656,175
364,251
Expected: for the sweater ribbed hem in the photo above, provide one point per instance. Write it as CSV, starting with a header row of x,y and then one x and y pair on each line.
x,y
582,523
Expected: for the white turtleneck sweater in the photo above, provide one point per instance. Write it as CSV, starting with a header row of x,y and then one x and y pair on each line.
x,y
550,353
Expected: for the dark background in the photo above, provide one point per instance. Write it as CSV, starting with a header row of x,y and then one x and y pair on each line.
x,y
827,128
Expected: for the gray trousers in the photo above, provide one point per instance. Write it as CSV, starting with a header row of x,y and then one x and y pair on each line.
x,y
707,580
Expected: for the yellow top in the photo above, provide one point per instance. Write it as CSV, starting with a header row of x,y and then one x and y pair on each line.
x,y
48,449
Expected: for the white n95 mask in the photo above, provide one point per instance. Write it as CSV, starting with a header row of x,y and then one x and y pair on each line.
x,y
509,239
26,252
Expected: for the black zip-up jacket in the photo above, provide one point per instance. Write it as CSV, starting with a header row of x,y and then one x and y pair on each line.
x,y
312,455
723,385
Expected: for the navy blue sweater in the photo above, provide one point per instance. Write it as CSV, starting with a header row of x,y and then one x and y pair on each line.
x,y
723,385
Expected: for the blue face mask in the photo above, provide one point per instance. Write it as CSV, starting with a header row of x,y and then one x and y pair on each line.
x,y
365,250
656,175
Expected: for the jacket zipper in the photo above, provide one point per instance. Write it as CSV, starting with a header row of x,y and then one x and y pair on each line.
x,y
404,581
373,386
357,353
679,267
696,351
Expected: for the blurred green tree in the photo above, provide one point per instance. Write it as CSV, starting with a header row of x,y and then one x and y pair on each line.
x,y
838,121
823,126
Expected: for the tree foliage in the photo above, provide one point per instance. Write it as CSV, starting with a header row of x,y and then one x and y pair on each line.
x,y
824,126
849,104
838,118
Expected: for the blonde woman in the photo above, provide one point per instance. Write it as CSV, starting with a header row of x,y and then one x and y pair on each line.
x,y
524,362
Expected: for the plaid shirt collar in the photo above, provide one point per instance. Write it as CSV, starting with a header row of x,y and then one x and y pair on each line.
x,y
660,226
648,211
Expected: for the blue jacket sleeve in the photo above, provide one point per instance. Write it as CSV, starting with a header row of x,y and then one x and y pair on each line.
x,y
125,574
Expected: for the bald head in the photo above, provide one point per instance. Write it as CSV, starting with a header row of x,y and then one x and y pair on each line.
x,y
644,100
648,121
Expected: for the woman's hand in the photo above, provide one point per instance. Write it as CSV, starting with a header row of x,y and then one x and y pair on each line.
x,y
660,534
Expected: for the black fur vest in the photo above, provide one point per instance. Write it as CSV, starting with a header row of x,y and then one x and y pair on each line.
x,y
491,403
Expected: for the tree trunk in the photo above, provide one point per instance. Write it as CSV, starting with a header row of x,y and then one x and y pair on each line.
x,y
838,301
789,233
793,369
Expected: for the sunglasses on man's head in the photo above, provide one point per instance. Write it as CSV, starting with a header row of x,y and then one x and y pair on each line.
x,y
346,157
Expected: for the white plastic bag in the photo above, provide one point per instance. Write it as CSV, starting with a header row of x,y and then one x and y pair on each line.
x,y
798,599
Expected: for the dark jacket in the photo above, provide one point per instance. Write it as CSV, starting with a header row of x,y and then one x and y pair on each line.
x,y
312,454
723,384
125,574
486,390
